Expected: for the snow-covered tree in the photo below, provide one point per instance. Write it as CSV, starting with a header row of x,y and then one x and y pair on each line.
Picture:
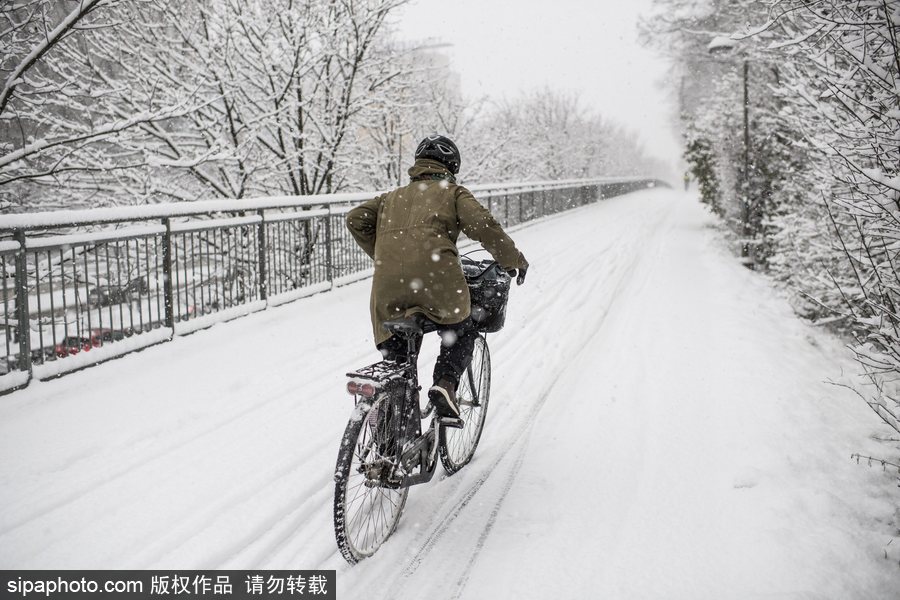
x,y
144,99
545,135
61,127
286,81
418,95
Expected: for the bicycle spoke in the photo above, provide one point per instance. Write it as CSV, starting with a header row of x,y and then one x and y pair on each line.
x,y
458,445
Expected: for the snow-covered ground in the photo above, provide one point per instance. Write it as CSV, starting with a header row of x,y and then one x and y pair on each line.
x,y
660,427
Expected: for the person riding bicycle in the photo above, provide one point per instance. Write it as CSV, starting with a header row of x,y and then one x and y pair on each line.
x,y
411,235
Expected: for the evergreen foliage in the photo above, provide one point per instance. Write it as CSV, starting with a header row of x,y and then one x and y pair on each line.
x,y
699,155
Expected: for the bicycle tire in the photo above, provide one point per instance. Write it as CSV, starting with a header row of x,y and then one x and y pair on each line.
x,y
457,446
365,515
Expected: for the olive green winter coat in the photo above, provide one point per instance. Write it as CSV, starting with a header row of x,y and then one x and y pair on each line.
x,y
411,234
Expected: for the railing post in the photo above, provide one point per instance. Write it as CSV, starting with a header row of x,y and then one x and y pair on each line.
x,y
521,210
23,317
263,256
329,253
168,290
506,209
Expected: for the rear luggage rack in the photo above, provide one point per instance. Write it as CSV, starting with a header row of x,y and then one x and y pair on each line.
x,y
381,371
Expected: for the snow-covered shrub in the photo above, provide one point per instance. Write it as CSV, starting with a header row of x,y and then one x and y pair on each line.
x,y
839,82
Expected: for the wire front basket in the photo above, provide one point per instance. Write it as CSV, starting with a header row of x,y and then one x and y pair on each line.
x,y
489,291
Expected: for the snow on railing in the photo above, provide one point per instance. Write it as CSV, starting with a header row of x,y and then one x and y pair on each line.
x,y
94,284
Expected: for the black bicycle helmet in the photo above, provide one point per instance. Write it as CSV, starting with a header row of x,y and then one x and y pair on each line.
x,y
441,149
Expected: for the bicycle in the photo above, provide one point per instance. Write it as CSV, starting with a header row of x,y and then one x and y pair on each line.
x,y
384,450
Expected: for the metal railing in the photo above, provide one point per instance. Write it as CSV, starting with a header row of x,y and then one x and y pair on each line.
x,y
80,287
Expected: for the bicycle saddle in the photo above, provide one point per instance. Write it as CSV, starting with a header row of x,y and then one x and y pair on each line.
x,y
407,326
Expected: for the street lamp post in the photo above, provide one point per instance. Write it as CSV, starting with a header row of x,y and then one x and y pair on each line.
x,y
745,185
723,46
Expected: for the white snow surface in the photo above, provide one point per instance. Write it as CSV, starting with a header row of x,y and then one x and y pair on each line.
x,y
659,427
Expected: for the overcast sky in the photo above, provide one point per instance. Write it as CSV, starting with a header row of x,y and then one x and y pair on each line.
x,y
587,46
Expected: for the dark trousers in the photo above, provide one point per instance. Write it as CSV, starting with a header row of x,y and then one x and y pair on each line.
x,y
457,343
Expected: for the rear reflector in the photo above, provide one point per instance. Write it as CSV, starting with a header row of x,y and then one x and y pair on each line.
x,y
367,390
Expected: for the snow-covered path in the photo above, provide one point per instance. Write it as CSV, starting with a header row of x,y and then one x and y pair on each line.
x,y
659,428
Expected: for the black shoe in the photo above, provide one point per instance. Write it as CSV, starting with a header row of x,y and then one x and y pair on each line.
x,y
443,398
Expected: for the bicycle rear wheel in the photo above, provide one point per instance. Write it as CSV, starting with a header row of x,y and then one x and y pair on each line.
x,y
367,503
457,446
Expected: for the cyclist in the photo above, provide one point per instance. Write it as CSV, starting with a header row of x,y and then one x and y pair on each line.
x,y
411,235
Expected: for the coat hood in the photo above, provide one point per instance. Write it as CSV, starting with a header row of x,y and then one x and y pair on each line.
x,y
425,168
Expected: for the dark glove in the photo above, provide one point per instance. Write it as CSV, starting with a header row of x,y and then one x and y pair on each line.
x,y
521,278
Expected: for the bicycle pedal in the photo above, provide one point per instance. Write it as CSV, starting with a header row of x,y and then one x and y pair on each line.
x,y
454,422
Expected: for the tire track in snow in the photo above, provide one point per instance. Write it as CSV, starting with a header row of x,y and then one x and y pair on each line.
x,y
194,524
283,528
275,525
463,579
517,349
192,436
626,280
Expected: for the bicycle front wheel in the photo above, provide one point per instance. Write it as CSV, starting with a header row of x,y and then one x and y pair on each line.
x,y
367,498
457,446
